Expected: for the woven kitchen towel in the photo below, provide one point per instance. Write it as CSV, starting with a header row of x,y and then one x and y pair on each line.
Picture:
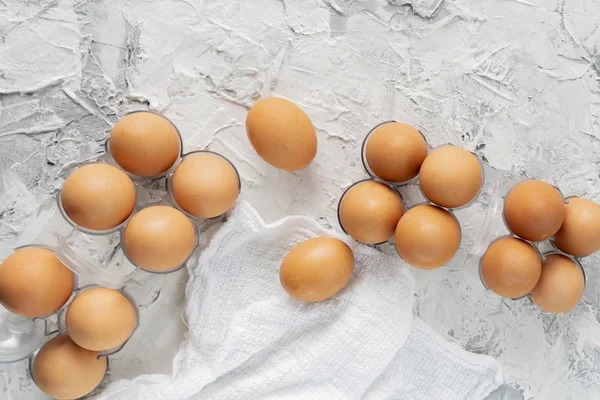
x,y
249,340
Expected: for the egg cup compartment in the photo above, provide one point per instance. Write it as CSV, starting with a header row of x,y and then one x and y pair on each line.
x,y
108,158
394,188
171,199
62,325
368,169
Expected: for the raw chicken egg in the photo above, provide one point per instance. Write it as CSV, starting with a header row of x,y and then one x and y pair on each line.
x,y
34,283
281,133
579,234
369,211
317,269
395,151
451,176
63,370
100,319
511,267
98,196
427,236
159,238
205,185
534,210
560,286
144,144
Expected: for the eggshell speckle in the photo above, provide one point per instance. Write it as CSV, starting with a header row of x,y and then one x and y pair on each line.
x,y
395,152
205,185
159,238
98,196
281,133
560,286
511,267
100,319
370,211
579,234
427,237
34,283
534,210
316,269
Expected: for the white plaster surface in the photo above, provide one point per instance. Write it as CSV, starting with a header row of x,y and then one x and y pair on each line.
x,y
516,81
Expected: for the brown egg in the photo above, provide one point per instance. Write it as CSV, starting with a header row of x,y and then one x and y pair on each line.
x,y
369,212
98,196
144,144
395,152
316,269
100,319
534,210
451,176
205,185
34,283
63,370
560,286
281,133
159,238
511,267
579,234
427,237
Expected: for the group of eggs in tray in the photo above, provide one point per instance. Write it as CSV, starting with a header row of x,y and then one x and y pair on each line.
x,y
68,314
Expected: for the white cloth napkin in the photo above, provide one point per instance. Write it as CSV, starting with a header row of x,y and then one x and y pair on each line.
x,y
249,340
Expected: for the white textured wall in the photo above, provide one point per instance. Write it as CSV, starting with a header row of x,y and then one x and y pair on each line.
x,y
517,81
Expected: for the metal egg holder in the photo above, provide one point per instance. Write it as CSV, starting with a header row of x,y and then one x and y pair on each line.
x,y
409,191
496,228
22,337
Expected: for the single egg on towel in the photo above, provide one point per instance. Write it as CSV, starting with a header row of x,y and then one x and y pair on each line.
x,y
205,185
100,319
316,269
98,196
579,235
369,211
159,238
34,283
281,133
427,236
395,151
560,286
511,267
534,210
451,176
63,370
144,144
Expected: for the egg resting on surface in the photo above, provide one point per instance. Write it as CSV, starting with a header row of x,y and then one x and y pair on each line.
x,y
560,286
281,133
63,370
395,152
579,235
451,176
317,269
511,267
534,210
159,238
100,319
34,283
205,185
144,144
427,237
98,196
369,212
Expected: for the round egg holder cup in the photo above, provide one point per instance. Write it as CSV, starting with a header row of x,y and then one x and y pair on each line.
x,y
418,197
22,337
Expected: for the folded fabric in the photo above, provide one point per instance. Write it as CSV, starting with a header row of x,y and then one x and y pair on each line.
x,y
249,340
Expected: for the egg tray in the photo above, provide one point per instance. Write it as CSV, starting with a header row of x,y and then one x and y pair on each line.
x,y
112,269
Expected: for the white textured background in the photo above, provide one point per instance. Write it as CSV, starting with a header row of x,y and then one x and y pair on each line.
x,y
517,81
